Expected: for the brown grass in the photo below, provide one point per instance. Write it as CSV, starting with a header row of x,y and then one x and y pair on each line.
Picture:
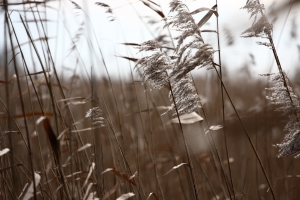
x,y
135,150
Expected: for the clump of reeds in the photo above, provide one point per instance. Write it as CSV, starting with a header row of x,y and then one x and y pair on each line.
x,y
102,138
173,68
282,93
288,104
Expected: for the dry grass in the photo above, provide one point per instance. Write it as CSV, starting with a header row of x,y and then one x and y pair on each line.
x,y
107,138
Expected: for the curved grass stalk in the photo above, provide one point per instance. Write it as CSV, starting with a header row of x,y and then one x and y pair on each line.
x,y
22,102
248,136
223,105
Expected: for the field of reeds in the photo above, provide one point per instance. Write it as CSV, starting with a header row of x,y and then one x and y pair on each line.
x,y
167,121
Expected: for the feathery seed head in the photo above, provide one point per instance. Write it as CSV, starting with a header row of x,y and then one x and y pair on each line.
x,y
291,143
254,7
149,45
260,28
185,97
96,115
152,69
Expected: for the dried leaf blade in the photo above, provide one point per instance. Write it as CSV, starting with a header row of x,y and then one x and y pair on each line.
x,y
201,10
89,174
189,118
129,58
122,176
111,191
30,190
152,8
84,147
92,196
126,196
152,194
215,127
4,151
207,16
176,167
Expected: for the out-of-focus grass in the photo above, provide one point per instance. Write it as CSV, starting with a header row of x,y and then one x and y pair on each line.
x,y
153,144
137,146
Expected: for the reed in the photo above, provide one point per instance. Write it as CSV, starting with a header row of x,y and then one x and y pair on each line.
x,y
164,132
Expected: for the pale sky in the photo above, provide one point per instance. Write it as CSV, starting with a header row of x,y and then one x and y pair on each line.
x,y
131,25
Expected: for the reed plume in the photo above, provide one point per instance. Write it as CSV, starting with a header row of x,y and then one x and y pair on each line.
x,y
282,93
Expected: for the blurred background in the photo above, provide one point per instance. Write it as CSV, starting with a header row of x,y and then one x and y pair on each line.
x,y
133,22
79,46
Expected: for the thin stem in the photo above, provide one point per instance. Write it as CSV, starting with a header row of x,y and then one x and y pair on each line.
x,y
247,134
186,148
280,68
223,105
23,105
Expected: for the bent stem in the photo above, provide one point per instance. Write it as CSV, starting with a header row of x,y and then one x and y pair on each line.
x,y
223,105
247,134
186,148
